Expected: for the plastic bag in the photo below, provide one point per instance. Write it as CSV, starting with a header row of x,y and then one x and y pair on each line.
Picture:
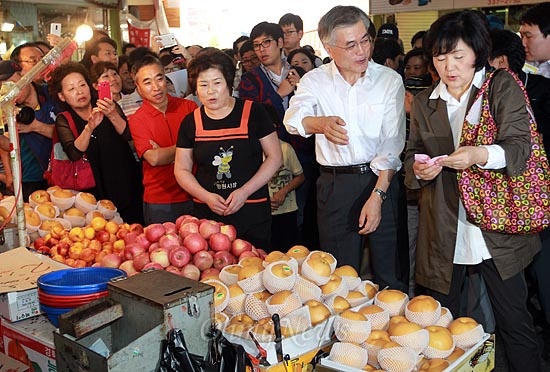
x,y
175,356
223,356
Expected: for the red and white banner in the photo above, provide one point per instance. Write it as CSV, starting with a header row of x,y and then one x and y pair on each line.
x,y
139,36
398,6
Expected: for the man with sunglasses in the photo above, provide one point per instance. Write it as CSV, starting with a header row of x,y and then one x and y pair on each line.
x,y
355,109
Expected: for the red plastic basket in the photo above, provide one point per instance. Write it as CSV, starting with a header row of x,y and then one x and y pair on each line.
x,y
68,301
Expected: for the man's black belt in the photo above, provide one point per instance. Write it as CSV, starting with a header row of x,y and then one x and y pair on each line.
x,y
348,169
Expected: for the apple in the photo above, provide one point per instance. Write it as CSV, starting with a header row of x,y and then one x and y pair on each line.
x,y
121,233
230,231
223,259
142,239
219,242
240,246
132,250
39,243
203,260
141,260
185,218
136,227
170,240
103,236
191,271
195,243
87,255
169,227
211,273
246,254
173,270
154,232
208,227
153,266
130,237
111,260
63,248
111,227
260,252
128,267
188,228
75,250
160,256
153,246
179,257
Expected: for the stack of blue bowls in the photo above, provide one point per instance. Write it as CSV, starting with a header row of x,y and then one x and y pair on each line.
x,y
64,290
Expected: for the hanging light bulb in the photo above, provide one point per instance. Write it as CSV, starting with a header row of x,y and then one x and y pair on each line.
x,y
83,33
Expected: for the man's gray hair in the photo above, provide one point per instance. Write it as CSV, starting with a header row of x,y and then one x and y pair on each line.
x,y
337,17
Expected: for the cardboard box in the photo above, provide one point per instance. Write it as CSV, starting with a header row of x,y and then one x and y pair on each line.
x,y
8,364
33,337
481,357
19,272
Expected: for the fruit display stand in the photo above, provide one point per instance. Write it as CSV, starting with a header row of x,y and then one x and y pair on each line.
x,y
152,303
481,357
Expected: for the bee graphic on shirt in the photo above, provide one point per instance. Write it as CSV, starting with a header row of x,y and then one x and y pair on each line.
x,y
222,162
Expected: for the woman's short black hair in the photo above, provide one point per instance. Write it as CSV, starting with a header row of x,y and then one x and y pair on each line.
x,y
211,58
470,26
304,51
100,68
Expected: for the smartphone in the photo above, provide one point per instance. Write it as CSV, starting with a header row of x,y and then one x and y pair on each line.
x,y
55,29
168,40
104,89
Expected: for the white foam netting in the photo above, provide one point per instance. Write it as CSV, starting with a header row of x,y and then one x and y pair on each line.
x,y
332,264
350,330
379,320
362,287
292,303
222,305
255,308
349,354
309,273
341,290
424,319
253,284
306,289
228,277
275,283
469,338
417,340
433,353
445,319
236,304
397,359
394,308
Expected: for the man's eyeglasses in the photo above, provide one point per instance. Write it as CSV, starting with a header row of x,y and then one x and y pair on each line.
x,y
289,32
249,61
264,44
352,47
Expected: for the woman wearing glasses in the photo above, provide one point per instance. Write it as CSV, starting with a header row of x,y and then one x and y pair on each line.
x,y
233,146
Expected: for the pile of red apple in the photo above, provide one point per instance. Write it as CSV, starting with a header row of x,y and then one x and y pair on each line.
x,y
189,247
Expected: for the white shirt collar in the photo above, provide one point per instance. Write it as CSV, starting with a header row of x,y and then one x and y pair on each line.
x,y
440,91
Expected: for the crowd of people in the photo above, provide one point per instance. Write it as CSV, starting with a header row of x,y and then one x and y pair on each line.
x,y
292,149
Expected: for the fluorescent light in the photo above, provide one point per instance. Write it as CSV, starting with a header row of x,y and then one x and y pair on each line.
x,y
7,27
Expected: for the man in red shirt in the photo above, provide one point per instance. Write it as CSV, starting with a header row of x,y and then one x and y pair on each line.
x,y
154,129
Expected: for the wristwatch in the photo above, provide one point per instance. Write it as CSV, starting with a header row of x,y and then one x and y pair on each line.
x,y
380,193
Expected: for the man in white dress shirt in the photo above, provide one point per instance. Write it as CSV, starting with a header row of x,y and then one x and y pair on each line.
x,y
355,109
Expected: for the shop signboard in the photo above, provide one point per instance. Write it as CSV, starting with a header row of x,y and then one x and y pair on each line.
x,y
399,6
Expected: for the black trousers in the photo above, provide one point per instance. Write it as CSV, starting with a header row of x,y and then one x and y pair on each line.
x,y
514,325
340,198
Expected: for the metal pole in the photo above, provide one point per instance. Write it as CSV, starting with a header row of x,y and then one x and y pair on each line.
x,y
8,94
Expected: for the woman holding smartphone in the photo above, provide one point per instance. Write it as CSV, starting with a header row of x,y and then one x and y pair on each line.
x,y
106,80
103,137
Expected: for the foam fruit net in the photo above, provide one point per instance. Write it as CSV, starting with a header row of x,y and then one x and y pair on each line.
x,y
228,277
236,304
397,359
306,289
349,330
394,308
349,354
292,303
445,319
276,284
341,290
468,339
417,341
424,319
253,284
255,308
312,275
379,320
433,353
